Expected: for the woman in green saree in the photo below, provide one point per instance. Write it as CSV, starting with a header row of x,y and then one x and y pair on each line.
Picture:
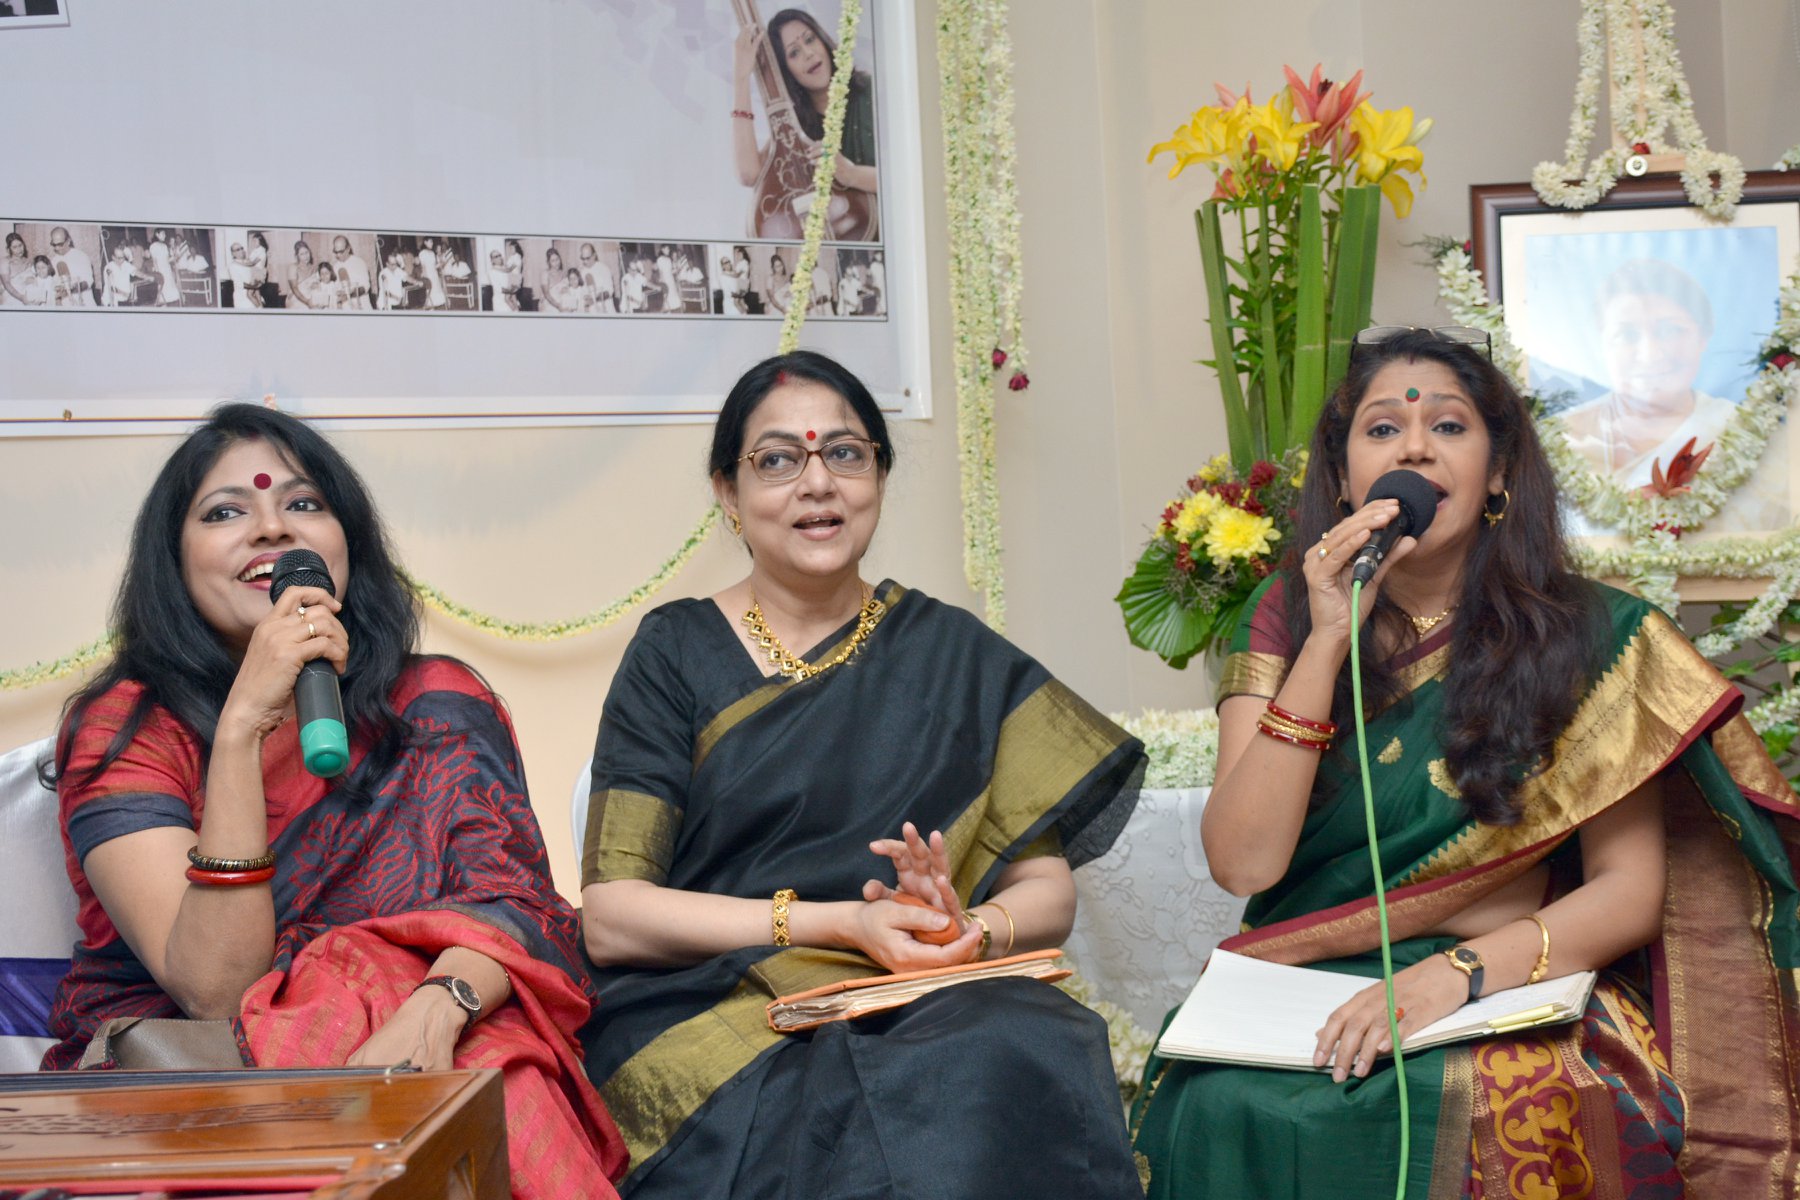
x,y
1561,784
744,795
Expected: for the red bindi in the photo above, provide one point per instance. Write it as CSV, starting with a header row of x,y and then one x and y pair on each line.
x,y
1412,394
781,377
262,481
811,436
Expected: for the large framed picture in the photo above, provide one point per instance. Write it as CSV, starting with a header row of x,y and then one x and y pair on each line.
x,y
480,214
1642,320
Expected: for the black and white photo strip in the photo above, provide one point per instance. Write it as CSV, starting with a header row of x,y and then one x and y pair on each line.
x,y
28,14
261,269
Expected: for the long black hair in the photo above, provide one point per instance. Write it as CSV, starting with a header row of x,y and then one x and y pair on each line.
x,y
1525,644
163,643
812,121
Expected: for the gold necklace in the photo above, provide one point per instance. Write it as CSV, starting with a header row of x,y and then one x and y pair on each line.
x,y
1425,625
797,668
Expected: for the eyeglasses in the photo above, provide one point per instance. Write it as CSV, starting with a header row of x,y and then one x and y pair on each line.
x,y
1461,335
780,462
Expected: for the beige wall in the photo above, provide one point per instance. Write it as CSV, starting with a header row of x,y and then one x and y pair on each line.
x,y
539,524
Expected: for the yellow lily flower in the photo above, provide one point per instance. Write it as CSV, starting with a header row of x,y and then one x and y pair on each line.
x,y
1214,135
1387,143
1279,137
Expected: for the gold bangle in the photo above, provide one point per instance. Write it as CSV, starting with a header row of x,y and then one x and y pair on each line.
x,y
1542,967
987,936
1012,931
778,915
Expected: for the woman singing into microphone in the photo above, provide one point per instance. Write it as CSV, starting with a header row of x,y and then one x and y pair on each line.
x,y
1561,783
401,912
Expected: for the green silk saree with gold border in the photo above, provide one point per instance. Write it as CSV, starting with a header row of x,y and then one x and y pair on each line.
x,y
710,777
1682,1071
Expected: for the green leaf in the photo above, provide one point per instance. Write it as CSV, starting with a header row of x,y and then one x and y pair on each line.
x,y
1218,307
1274,406
1309,325
1738,670
1778,738
1787,652
1353,276
1155,618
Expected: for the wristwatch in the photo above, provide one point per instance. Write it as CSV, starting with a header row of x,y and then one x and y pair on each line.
x,y
461,991
1469,963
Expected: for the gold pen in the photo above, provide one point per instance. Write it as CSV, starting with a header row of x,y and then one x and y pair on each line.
x,y
1520,1020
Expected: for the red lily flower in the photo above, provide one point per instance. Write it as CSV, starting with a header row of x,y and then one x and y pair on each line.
x,y
1684,465
1328,103
1019,381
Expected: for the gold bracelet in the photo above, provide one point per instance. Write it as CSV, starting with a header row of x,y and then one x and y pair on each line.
x,y
208,863
1542,967
1012,931
987,936
778,915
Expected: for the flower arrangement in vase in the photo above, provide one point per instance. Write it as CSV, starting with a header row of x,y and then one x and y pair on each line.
x,y
1298,182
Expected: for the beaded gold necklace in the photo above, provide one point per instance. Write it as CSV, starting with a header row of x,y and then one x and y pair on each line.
x,y
798,668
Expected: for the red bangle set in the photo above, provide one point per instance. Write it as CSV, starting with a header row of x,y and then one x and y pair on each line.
x,y
1328,728
229,878
1284,726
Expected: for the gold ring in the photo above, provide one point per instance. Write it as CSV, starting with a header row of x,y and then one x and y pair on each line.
x,y
1323,552
310,631
301,610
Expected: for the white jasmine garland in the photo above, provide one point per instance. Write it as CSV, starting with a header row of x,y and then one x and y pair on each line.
x,y
981,198
1668,107
1654,557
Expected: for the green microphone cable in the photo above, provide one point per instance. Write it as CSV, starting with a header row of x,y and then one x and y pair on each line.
x,y
1387,949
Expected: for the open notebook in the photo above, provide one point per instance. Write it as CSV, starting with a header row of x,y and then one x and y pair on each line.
x,y
860,997
1265,1014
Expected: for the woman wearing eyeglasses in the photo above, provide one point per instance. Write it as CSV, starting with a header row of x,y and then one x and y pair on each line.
x,y
775,765
1561,783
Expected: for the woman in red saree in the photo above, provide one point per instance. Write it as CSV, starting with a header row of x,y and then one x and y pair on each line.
x,y
403,911
1561,784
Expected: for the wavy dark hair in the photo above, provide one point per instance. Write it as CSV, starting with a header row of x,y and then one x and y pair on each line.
x,y
1513,681
164,644
810,118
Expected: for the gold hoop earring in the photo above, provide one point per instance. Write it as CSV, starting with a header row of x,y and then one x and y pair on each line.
x,y
737,526
1494,518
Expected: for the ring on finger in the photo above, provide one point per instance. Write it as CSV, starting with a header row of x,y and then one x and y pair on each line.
x,y
1323,552
301,611
310,631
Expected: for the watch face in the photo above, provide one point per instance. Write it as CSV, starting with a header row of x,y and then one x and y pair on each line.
x,y
465,995
1465,958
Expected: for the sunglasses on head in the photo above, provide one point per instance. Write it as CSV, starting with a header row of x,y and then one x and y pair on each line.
x,y
1459,335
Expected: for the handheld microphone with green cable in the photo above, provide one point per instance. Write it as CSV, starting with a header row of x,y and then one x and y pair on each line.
x,y
319,704
1418,506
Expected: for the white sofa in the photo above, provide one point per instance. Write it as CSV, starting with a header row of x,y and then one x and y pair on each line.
x,y
39,932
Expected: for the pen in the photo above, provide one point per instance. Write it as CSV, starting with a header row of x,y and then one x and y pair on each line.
x,y
1520,1020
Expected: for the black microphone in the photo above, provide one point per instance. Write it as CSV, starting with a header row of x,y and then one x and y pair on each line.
x,y
1418,507
324,742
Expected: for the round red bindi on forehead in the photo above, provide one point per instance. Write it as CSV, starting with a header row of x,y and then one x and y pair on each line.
x,y
262,481
811,436
1412,394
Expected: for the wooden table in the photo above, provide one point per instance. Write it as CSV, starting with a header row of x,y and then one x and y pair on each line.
x,y
337,1134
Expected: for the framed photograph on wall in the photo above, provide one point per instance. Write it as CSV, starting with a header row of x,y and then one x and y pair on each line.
x,y
1642,320
30,14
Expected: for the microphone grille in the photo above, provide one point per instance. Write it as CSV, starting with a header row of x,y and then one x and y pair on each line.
x,y
299,567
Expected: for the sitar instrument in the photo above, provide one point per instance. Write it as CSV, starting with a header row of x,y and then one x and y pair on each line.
x,y
783,192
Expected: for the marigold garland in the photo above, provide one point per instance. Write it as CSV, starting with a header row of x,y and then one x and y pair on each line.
x,y
1668,107
546,631
981,196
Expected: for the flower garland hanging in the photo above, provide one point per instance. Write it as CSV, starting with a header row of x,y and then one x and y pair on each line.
x,y
981,197
1654,557
78,660
1646,64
